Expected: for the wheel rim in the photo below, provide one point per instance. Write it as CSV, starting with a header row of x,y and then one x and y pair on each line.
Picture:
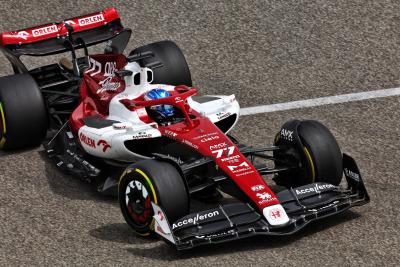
x,y
138,203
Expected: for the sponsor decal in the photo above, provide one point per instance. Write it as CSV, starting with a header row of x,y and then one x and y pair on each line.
x,y
120,127
104,144
325,207
177,160
204,135
190,144
351,174
108,87
206,139
229,151
265,198
223,115
244,166
263,195
287,135
194,220
276,214
23,35
230,232
44,31
142,135
231,159
91,20
94,64
87,140
178,99
109,72
315,189
257,188
110,68
174,135
245,173
220,145
170,133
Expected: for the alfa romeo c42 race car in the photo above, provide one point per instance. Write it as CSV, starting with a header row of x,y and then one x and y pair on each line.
x,y
134,126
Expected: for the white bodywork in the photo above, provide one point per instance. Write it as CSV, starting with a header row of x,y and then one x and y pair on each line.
x,y
130,127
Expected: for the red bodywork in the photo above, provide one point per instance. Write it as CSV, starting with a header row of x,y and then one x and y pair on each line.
x,y
99,85
226,155
196,131
201,134
94,100
55,30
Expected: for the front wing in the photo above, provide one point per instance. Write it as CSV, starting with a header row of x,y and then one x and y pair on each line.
x,y
240,220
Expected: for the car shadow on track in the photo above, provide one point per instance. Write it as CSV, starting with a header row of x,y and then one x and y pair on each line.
x,y
69,186
165,251
120,233
4,153
76,189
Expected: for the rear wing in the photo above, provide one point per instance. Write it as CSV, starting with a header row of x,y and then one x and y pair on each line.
x,y
51,38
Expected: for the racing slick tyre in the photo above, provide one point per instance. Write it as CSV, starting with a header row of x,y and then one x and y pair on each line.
x,y
151,181
175,70
322,158
23,116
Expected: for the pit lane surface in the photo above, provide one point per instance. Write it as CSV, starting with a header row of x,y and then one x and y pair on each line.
x,y
264,52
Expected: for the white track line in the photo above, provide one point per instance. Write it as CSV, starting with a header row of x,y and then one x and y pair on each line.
x,y
320,101
315,102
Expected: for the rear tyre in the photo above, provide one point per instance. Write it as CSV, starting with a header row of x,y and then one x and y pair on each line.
x,y
23,116
175,70
151,181
321,157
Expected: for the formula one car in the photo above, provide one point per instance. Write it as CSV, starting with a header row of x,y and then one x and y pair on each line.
x,y
134,126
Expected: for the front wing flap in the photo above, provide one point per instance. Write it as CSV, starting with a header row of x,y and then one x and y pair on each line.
x,y
240,220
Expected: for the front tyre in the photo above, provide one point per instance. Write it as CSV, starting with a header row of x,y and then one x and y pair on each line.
x,y
322,151
319,155
151,181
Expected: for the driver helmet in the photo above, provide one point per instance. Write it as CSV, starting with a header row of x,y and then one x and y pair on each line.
x,y
164,110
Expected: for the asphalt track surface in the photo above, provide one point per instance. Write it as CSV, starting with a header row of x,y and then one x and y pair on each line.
x,y
265,52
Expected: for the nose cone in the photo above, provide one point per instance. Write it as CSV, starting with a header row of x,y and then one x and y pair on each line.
x,y
275,215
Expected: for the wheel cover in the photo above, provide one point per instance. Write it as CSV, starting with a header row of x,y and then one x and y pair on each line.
x,y
138,203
